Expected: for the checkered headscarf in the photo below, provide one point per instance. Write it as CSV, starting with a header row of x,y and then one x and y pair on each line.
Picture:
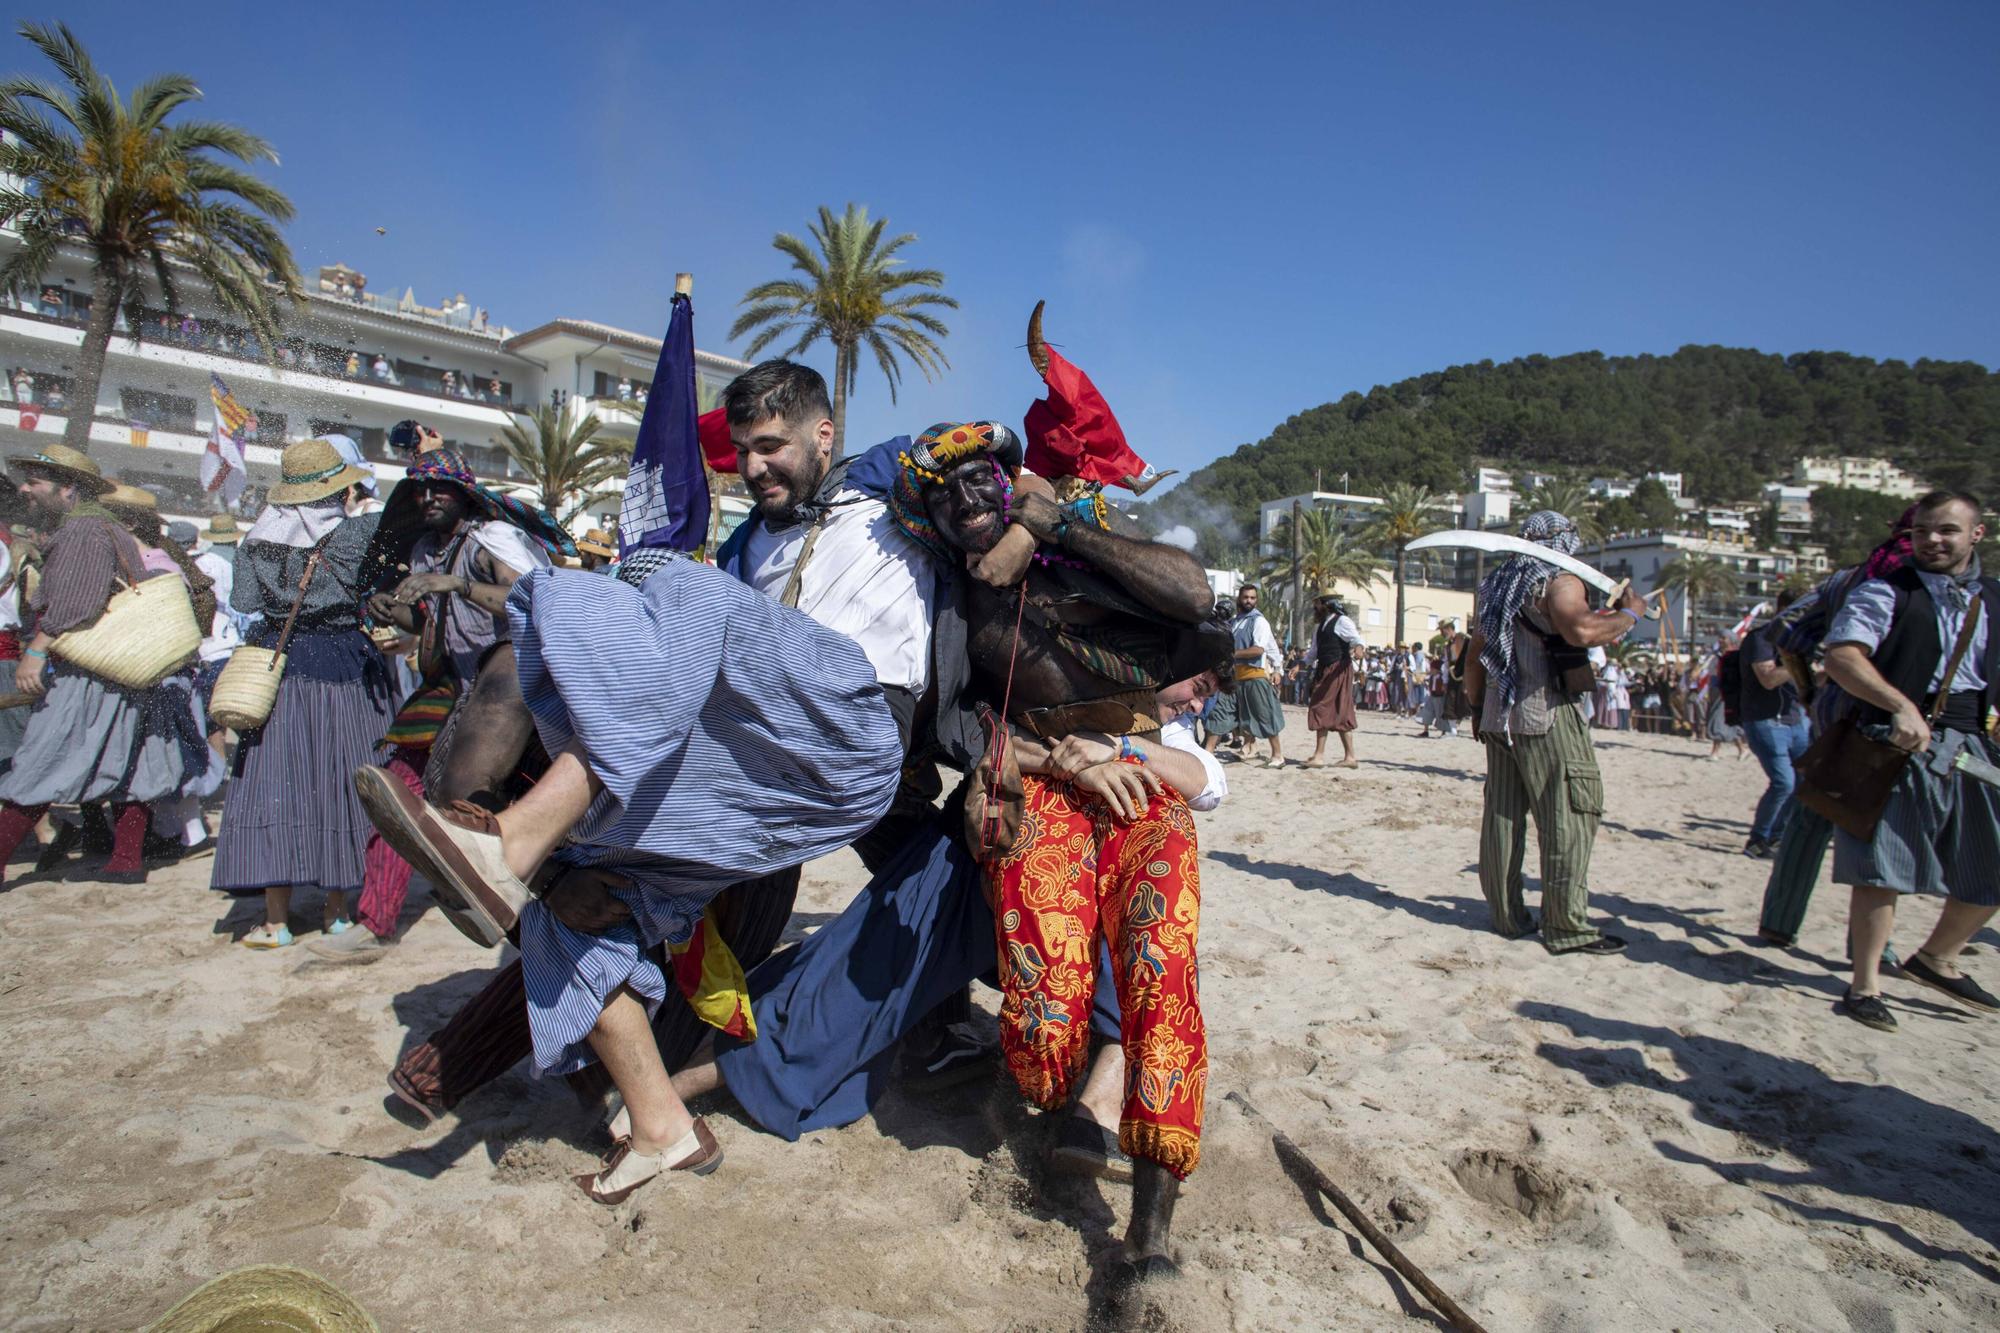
x,y
1509,589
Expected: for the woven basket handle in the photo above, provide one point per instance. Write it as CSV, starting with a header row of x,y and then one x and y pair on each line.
x,y
298,600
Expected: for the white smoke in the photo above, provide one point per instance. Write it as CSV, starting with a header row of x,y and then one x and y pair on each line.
x,y
1180,535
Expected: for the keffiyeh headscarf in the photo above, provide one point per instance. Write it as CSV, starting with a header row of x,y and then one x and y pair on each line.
x,y
536,522
1509,589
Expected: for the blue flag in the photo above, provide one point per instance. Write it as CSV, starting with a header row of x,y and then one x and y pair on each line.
x,y
666,492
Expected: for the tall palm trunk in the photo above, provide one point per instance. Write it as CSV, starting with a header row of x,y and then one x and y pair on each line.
x,y
843,361
1401,557
105,284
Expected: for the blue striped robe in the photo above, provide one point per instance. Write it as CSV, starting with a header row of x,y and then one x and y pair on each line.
x,y
734,737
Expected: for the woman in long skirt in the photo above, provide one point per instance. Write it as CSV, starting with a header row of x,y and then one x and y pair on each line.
x,y
291,818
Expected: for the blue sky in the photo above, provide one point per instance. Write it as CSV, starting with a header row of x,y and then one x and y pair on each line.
x,y
1235,211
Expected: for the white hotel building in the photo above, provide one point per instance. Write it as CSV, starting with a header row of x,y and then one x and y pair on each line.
x,y
353,361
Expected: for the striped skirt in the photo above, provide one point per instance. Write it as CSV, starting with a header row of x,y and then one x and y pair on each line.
x,y
290,815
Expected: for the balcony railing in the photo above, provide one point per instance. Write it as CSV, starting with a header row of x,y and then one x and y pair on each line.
x,y
237,345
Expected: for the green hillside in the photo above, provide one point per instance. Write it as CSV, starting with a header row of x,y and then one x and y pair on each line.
x,y
1730,419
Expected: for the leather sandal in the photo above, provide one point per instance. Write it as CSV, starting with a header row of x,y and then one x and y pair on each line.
x,y
625,1170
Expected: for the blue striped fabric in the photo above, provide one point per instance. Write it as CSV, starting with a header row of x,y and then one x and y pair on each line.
x,y
734,737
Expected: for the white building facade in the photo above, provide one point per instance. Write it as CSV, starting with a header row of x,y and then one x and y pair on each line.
x,y
349,362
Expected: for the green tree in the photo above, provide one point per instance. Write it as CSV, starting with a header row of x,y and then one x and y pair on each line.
x,y
1655,505
1851,522
146,199
566,459
1407,512
1568,496
1328,556
855,293
1696,578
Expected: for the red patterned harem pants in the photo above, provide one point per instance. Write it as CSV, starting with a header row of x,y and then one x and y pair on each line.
x,y
1076,875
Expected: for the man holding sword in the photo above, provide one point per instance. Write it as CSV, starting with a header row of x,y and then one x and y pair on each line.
x,y
1528,665
1918,654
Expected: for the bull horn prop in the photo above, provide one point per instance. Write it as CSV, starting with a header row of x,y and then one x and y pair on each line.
x,y
1038,348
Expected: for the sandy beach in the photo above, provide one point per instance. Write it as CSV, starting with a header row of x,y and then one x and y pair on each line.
x,y
1685,1137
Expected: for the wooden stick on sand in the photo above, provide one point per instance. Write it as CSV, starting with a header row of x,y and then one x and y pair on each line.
x,y
1445,1305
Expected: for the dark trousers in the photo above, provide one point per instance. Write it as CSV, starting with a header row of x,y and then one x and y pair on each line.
x,y
1794,872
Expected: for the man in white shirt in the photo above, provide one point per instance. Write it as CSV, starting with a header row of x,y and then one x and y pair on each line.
x,y
1258,666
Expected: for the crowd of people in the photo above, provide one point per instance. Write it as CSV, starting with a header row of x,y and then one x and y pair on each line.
x,y
619,763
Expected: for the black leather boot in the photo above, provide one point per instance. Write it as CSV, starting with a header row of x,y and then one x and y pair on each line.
x,y
1154,1193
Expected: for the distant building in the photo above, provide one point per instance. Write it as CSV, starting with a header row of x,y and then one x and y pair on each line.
x,y
1612,488
1670,480
1865,474
349,362
1641,556
1792,508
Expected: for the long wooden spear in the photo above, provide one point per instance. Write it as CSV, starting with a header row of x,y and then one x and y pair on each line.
x,y
1444,1304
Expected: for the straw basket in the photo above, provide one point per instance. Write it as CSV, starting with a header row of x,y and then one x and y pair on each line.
x,y
146,633
247,688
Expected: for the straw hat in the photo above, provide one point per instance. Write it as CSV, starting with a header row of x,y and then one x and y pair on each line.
x,y
65,465
131,498
313,470
222,531
268,1296
598,542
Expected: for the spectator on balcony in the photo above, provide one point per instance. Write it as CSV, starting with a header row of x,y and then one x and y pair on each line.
x,y
190,330
450,385
52,303
353,367
494,391
379,367
624,391
58,399
24,388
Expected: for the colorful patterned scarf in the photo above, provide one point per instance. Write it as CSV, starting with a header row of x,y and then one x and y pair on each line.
x,y
933,454
1509,589
536,522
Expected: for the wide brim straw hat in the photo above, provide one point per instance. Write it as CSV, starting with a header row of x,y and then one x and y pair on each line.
x,y
312,470
222,531
266,1297
65,465
132,499
598,542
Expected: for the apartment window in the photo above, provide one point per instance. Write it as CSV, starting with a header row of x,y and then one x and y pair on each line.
x,y
161,411
417,375
374,441
39,388
606,385
1374,615
271,429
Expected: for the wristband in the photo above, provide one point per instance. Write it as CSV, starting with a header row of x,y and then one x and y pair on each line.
x,y
35,652
1127,750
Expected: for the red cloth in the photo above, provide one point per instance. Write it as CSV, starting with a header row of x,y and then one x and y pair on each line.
x,y
712,428
1072,433
10,645
1077,875
385,876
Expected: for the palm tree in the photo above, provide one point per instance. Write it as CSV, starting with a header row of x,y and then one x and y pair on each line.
x,y
1568,497
855,293
1697,578
145,198
1407,512
566,460
1328,556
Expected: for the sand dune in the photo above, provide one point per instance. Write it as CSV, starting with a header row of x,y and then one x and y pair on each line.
x,y
1686,1137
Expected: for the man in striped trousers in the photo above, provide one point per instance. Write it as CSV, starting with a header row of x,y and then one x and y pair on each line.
x,y
1539,760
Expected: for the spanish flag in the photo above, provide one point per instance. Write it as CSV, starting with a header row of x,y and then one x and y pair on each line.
x,y
712,981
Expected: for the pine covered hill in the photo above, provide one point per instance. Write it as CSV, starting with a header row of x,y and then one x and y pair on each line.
x,y
1729,419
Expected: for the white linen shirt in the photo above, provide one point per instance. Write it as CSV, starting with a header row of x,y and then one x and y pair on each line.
x,y
1178,731
866,579
1251,630
225,635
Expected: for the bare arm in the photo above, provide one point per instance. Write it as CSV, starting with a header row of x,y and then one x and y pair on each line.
x,y
1475,669
1164,578
1848,666
1771,674
1571,616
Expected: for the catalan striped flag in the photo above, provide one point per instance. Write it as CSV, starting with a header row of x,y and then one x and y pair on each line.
x,y
222,465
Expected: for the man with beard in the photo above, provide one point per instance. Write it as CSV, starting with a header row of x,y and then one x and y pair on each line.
x,y
1917,653
1258,662
88,740
471,551
1101,622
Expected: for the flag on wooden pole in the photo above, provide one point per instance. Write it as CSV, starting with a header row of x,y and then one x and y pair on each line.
x,y
666,492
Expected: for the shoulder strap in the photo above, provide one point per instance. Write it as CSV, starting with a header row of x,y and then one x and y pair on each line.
x,y
305,581
1965,633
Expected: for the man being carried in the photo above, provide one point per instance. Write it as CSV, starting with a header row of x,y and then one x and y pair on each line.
x,y
1528,659
1918,654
